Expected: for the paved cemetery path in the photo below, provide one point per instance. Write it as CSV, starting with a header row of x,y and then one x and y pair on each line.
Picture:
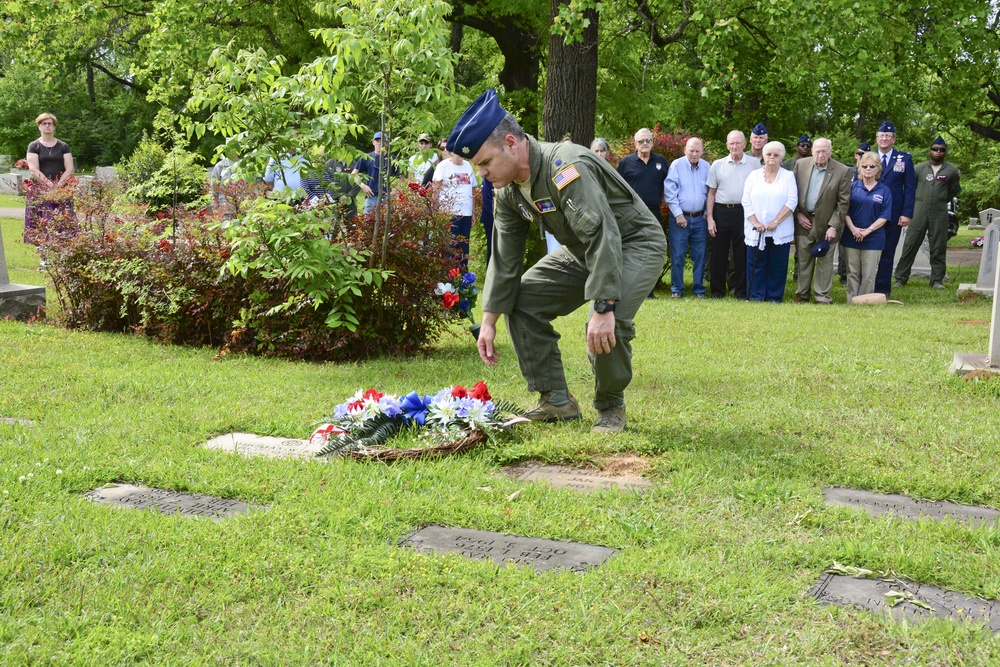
x,y
964,256
12,213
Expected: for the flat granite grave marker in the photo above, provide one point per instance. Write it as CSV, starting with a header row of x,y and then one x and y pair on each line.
x,y
14,421
575,478
249,444
538,553
880,504
871,595
167,502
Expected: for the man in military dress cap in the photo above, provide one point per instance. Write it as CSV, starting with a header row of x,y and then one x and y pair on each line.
x,y
613,250
803,149
897,175
758,137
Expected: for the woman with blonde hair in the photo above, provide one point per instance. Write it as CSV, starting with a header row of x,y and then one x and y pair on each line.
x,y
864,237
51,164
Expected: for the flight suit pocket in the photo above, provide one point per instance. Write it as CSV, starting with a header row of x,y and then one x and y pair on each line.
x,y
583,220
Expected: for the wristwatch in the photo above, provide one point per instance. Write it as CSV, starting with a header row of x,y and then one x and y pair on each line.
x,y
601,306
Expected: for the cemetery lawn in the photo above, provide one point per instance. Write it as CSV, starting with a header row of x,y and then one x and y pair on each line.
x,y
11,201
743,413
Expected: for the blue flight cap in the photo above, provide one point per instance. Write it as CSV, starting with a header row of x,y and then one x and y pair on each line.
x,y
474,127
759,129
864,146
378,135
939,142
887,126
820,248
804,139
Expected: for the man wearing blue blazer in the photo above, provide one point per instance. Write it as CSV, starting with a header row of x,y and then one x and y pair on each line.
x,y
899,176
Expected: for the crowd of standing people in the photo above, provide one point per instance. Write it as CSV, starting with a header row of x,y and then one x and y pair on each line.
x,y
760,209
748,213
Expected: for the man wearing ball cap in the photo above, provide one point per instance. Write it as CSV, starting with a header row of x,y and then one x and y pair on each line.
x,y
612,254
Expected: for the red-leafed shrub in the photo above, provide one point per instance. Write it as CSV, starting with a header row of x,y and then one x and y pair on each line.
x,y
277,280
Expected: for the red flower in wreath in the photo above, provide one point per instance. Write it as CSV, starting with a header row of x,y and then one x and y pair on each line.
x,y
458,391
480,391
373,394
454,273
449,299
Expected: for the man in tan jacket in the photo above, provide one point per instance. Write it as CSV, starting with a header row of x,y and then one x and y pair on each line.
x,y
824,197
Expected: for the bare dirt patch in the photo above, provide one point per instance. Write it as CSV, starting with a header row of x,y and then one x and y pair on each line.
x,y
622,464
974,322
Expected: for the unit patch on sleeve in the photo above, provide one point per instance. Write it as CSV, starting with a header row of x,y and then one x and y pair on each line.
x,y
545,205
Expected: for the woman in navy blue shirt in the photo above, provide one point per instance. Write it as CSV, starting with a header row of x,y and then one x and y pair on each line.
x,y
864,237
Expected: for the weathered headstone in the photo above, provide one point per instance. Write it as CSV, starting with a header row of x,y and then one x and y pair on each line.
x,y
249,444
881,504
540,554
989,363
11,184
575,478
19,302
167,502
986,217
921,263
105,173
987,263
875,595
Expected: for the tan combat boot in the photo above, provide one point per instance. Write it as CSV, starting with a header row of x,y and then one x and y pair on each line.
x,y
543,411
610,420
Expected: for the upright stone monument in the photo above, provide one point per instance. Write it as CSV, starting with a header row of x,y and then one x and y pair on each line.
x,y
921,263
989,363
988,262
19,302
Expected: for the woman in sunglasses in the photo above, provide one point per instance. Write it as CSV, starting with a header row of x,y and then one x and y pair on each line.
x,y
864,238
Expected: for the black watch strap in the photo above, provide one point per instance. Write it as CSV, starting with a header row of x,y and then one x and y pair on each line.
x,y
601,306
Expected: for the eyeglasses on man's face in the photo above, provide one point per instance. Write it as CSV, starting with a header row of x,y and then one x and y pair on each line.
x,y
643,141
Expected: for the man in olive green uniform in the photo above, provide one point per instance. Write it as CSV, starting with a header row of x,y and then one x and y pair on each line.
x,y
937,184
612,253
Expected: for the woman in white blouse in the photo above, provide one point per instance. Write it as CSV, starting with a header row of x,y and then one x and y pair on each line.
x,y
769,197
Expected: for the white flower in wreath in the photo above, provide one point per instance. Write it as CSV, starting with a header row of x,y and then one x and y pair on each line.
x,y
445,288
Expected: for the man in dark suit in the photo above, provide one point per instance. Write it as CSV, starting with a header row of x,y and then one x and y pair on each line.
x,y
900,177
824,197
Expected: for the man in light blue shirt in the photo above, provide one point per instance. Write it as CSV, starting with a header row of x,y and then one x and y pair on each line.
x,y
284,175
685,190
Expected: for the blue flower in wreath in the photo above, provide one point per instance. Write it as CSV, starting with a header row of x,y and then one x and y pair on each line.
x,y
414,407
468,279
464,305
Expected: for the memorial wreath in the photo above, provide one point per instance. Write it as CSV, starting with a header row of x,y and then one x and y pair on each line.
x,y
452,421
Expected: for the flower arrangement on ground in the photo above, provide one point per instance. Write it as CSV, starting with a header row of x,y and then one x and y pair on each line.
x,y
370,418
460,295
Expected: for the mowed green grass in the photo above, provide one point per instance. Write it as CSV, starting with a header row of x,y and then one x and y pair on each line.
x,y
744,412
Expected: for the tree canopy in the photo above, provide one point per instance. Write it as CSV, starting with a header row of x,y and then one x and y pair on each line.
x,y
837,67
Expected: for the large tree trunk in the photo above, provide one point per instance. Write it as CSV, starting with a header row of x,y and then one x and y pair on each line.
x,y
571,86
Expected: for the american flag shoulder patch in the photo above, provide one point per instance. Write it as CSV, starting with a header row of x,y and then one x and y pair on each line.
x,y
565,177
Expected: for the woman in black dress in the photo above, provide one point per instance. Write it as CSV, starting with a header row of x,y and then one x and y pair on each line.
x,y
51,165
